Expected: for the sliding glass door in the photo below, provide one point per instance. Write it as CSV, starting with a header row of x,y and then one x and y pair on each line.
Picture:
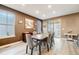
x,y
53,26
57,29
50,26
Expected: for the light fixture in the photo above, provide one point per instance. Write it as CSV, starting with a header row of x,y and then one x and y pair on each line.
x,y
49,6
62,28
23,4
54,12
20,22
44,15
37,11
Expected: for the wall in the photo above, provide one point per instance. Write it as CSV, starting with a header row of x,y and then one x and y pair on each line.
x,y
19,28
70,23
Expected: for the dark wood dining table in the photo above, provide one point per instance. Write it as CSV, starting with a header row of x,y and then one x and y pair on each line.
x,y
41,38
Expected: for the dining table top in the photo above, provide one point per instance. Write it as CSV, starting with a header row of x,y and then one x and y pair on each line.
x,y
40,36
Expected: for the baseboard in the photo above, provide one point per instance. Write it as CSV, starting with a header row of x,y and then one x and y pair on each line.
x,y
10,44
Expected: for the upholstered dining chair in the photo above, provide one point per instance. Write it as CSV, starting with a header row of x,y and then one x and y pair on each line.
x,y
46,42
51,39
30,43
77,40
34,32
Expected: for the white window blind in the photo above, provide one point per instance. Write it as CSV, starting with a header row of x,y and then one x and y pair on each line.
x,y
7,24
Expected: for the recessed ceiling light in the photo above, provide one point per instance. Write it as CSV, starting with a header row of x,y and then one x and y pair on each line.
x,y
49,6
37,11
44,15
23,4
54,12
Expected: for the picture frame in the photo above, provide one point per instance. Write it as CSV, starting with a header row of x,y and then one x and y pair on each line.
x,y
29,24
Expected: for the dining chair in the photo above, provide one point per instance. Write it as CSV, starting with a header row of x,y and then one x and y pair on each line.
x,y
30,43
34,32
44,43
51,39
77,40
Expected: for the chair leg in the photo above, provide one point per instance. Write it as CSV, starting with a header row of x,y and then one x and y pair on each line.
x,y
44,43
53,41
40,48
47,47
31,51
27,49
77,43
51,44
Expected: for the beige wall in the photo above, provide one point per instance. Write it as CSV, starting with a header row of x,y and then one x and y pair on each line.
x,y
70,23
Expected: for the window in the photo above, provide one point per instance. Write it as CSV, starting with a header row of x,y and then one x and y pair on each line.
x,y
7,24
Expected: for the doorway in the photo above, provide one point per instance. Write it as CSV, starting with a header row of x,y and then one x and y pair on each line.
x,y
53,26
57,29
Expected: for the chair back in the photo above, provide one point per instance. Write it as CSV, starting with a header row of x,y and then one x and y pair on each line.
x,y
34,33
77,36
29,40
51,35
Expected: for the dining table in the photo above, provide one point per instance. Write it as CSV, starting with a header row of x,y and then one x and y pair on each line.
x,y
42,37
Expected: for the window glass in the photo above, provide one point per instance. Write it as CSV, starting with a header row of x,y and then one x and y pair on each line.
x,y
3,31
10,19
10,30
7,24
3,16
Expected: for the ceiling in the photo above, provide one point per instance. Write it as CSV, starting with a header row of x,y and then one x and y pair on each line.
x,y
45,11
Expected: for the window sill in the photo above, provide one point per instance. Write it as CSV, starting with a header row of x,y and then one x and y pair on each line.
x,y
7,37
